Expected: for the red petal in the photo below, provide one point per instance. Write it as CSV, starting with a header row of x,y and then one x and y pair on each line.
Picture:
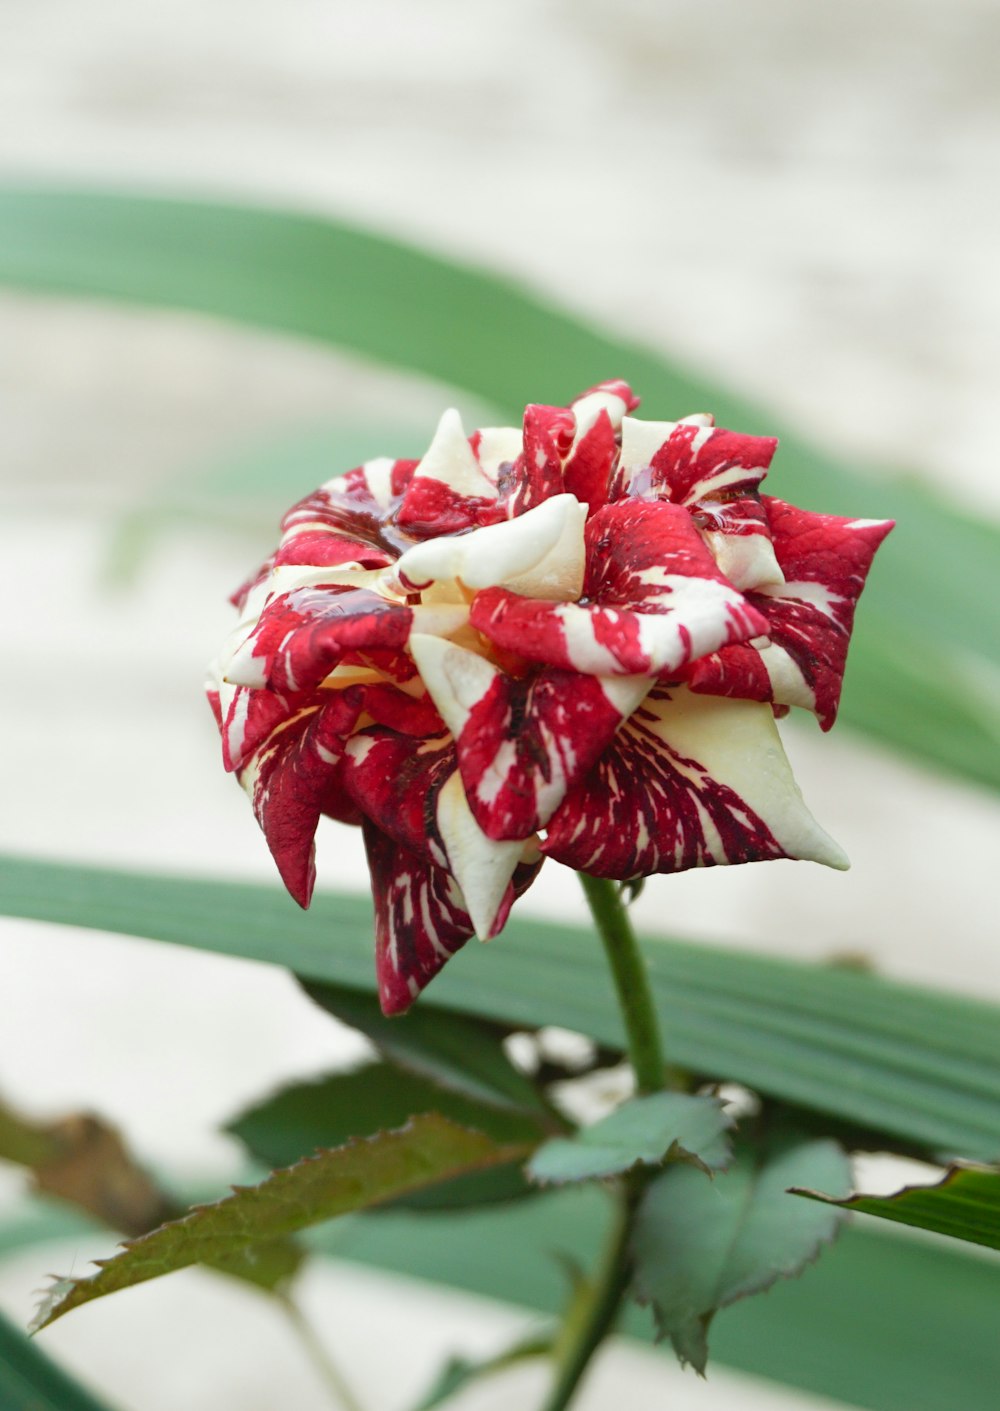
x,y
537,473
587,473
524,743
698,462
301,636
293,779
419,919
687,783
396,782
653,600
357,505
431,508
825,559
326,548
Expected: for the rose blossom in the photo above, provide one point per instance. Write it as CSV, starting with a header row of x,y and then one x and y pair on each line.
x,y
565,641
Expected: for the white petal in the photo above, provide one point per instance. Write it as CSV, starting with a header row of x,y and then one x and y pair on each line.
x,y
499,445
627,692
540,554
587,409
747,560
738,744
451,460
455,678
481,867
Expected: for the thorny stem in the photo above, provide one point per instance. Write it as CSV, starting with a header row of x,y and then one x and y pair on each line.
x,y
587,1326
332,1377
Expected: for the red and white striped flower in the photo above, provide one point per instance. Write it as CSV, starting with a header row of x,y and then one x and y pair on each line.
x,y
564,641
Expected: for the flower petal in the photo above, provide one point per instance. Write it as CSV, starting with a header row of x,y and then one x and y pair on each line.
x,y
357,506
293,778
521,744
541,552
415,796
738,536
448,487
420,921
537,474
684,786
654,601
481,866
303,635
690,460
420,918
825,560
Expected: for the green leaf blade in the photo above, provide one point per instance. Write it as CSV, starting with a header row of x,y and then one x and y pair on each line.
x,y
645,1131
465,1055
700,1246
964,1204
30,1381
305,1117
351,1177
892,1057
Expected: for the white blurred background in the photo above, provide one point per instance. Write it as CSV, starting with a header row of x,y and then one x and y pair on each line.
x,y
798,200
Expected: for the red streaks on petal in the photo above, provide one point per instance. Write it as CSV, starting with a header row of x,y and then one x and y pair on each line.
x,y
301,636
326,549
695,463
430,508
537,474
526,743
653,598
825,559
293,779
420,921
588,470
646,809
396,784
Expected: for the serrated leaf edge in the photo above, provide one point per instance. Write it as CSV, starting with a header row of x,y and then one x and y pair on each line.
x,y
50,1306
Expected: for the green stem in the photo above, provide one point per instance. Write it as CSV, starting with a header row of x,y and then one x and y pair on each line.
x,y
330,1374
589,1323
631,978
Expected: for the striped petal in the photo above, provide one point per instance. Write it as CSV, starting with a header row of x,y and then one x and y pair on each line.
x,y
689,461
682,785
825,560
415,796
294,778
738,536
301,636
653,601
521,744
420,921
537,474
448,489
541,553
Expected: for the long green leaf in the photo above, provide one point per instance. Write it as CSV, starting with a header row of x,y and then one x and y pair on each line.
x,y
883,1323
331,1183
30,1381
964,1204
934,1307
891,1057
462,1054
924,663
